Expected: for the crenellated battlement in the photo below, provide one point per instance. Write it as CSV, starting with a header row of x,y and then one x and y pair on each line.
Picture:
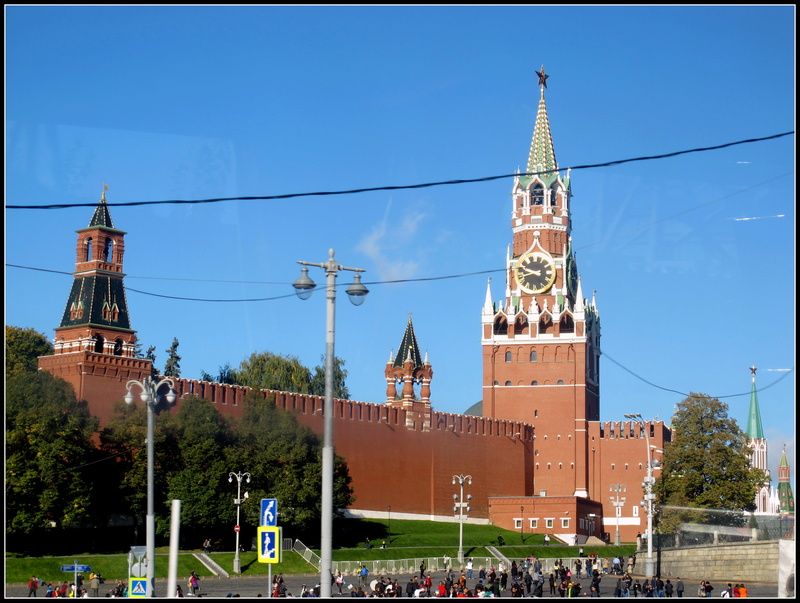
x,y
232,396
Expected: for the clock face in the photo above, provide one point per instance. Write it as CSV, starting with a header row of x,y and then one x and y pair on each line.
x,y
572,274
535,272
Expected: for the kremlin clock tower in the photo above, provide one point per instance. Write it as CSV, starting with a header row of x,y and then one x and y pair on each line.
x,y
541,343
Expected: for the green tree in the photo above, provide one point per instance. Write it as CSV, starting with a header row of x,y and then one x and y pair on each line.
x,y
339,375
194,445
151,356
284,459
23,348
226,375
172,368
49,453
266,370
706,466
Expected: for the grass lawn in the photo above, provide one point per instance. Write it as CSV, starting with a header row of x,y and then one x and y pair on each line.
x,y
405,539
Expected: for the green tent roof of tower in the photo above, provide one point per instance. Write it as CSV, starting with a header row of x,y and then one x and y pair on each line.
x,y
754,429
408,347
542,155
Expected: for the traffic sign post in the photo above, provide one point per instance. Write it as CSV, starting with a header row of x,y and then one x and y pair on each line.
x,y
269,512
269,544
76,569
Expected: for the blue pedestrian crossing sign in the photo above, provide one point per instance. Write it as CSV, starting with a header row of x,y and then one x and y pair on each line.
x,y
137,587
269,544
269,512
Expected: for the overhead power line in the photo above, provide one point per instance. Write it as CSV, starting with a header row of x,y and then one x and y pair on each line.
x,y
401,187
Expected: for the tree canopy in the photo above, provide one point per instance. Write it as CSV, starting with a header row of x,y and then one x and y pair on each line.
x,y
172,367
23,348
265,370
49,451
705,466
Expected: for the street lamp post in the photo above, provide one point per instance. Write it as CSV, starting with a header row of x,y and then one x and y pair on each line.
x,y
389,513
649,497
149,395
522,524
459,507
304,287
618,503
237,563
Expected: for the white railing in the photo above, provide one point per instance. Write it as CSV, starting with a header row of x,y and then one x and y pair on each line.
x,y
307,554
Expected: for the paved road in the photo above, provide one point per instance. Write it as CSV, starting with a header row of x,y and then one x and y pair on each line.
x,y
255,587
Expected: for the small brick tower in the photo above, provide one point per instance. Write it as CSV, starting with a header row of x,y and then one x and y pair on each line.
x,y
408,370
94,344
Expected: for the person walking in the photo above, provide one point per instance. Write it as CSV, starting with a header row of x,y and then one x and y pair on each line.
x,y
679,587
194,583
33,586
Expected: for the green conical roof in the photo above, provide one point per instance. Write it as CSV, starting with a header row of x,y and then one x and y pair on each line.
x,y
542,156
101,216
754,429
408,347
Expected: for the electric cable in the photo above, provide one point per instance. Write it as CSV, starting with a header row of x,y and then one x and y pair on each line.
x,y
402,187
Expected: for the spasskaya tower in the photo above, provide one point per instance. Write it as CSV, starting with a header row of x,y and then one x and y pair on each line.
x,y
541,342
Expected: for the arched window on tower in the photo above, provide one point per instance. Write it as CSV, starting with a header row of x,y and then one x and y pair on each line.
x,y
537,194
567,325
99,343
118,347
88,250
500,326
520,325
108,252
509,356
554,195
533,355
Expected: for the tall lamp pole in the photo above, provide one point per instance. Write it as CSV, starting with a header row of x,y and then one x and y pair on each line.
x,y
304,287
237,563
389,513
618,503
649,497
462,509
522,524
149,395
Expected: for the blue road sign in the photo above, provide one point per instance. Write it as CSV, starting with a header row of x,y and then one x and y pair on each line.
x,y
76,568
137,587
269,512
269,544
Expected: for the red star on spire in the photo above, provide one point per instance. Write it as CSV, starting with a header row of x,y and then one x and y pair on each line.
x,y
542,77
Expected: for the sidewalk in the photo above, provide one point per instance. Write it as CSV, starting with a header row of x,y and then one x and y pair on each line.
x,y
252,587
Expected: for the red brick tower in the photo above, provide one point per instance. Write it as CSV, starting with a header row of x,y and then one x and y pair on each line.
x,y
408,379
541,343
94,344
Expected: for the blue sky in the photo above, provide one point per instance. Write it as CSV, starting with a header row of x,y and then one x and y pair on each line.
x,y
692,258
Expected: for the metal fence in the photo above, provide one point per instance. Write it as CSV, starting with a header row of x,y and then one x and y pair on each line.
x,y
752,528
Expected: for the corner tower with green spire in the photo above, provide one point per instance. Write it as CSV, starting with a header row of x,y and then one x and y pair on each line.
x,y
785,497
758,446
94,339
